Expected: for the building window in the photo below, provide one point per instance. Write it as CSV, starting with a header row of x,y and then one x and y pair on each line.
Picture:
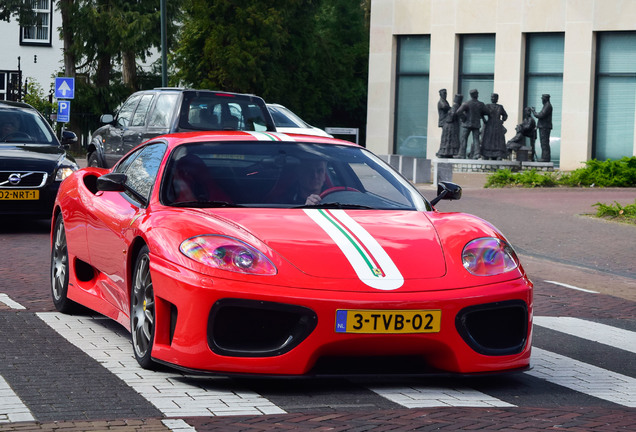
x,y
477,65
615,95
10,85
544,75
411,105
40,32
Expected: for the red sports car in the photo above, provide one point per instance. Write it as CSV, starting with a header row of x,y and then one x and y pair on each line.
x,y
272,254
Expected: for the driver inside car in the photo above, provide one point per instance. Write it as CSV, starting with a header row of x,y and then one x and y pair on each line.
x,y
311,180
9,126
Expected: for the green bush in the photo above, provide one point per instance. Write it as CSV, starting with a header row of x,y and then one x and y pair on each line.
x,y
531,178
609,173
616,210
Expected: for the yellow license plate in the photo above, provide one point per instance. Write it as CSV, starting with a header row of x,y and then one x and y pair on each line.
x,y
19,194
388,321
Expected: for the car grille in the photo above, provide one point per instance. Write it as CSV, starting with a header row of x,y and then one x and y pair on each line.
x,y
495,328
249,328
22,179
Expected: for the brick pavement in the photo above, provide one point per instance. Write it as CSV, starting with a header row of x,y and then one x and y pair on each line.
x,y
571,419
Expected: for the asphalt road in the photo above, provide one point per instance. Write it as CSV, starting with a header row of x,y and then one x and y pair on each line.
x,y
77,372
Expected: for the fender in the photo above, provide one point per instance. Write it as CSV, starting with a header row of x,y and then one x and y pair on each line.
x,y
96,147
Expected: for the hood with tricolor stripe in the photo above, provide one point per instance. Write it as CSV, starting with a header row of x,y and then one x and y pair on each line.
x,y
355,250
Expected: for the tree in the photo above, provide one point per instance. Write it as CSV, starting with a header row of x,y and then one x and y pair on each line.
x,y
20,9
310,55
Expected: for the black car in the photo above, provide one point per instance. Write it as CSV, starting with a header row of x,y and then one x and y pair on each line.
x,y
33,162
149,113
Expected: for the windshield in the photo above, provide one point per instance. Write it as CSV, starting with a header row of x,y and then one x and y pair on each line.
x,y
285,118
24,127
210,111
285,175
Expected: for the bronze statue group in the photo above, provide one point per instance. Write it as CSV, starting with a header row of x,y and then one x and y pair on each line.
x,y
463,119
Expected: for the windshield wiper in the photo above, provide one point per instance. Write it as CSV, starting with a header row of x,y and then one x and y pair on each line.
x,y
334,205
204,204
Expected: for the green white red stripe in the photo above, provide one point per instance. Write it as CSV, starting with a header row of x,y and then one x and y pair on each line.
x,y
369,260
270,136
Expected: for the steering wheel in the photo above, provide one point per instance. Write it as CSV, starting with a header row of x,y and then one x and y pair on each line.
x,y
17,134
333,189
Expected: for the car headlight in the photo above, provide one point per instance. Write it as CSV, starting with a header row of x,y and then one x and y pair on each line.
x,y
227,253
62,173
489,256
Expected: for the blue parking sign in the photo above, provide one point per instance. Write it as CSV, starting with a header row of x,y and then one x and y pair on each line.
x,y
64,88
63,111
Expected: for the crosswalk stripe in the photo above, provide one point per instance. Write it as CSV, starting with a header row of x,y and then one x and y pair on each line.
x,y
11,407
430,397
175,396
110,345
583,377
9,302
590,330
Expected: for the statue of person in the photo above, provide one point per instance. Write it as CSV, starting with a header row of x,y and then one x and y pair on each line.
x,y
494,138
544,124
449,144
473,111
527,128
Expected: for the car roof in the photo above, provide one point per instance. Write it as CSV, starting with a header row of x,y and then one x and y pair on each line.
x,y
179,138
16,105
188,90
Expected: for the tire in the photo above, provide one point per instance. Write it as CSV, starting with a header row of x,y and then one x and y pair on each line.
x,y
93,160
60,268
142,311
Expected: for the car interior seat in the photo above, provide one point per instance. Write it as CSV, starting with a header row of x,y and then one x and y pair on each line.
x,y
192,180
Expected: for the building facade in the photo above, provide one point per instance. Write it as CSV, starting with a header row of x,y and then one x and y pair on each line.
x,y
32,53
580,52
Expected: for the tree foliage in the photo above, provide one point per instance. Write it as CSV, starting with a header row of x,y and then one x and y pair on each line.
x,y
310,55
19,9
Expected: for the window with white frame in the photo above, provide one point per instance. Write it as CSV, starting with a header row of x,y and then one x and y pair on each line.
x,y
39,33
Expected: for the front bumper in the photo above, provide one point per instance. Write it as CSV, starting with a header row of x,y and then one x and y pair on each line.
x,y
233,327
42,207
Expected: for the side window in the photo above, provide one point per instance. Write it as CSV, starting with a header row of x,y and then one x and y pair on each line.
x,y
141,169
139,118
126,111
164,108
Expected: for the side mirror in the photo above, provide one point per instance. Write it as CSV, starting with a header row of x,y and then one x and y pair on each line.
x,y
113,182
447,191
106,118
68,138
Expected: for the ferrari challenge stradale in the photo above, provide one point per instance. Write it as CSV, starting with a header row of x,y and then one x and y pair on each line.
x,y
285,255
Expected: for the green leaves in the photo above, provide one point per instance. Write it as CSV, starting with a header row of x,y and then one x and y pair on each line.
x,y
609,173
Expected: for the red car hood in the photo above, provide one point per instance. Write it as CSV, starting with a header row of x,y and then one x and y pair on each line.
x,y
381,248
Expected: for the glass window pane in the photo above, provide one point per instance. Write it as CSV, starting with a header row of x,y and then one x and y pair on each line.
x,y
478,54
616,53
412,115
615,95
545,53
537,86
415,54
614,134
411,111
483,85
